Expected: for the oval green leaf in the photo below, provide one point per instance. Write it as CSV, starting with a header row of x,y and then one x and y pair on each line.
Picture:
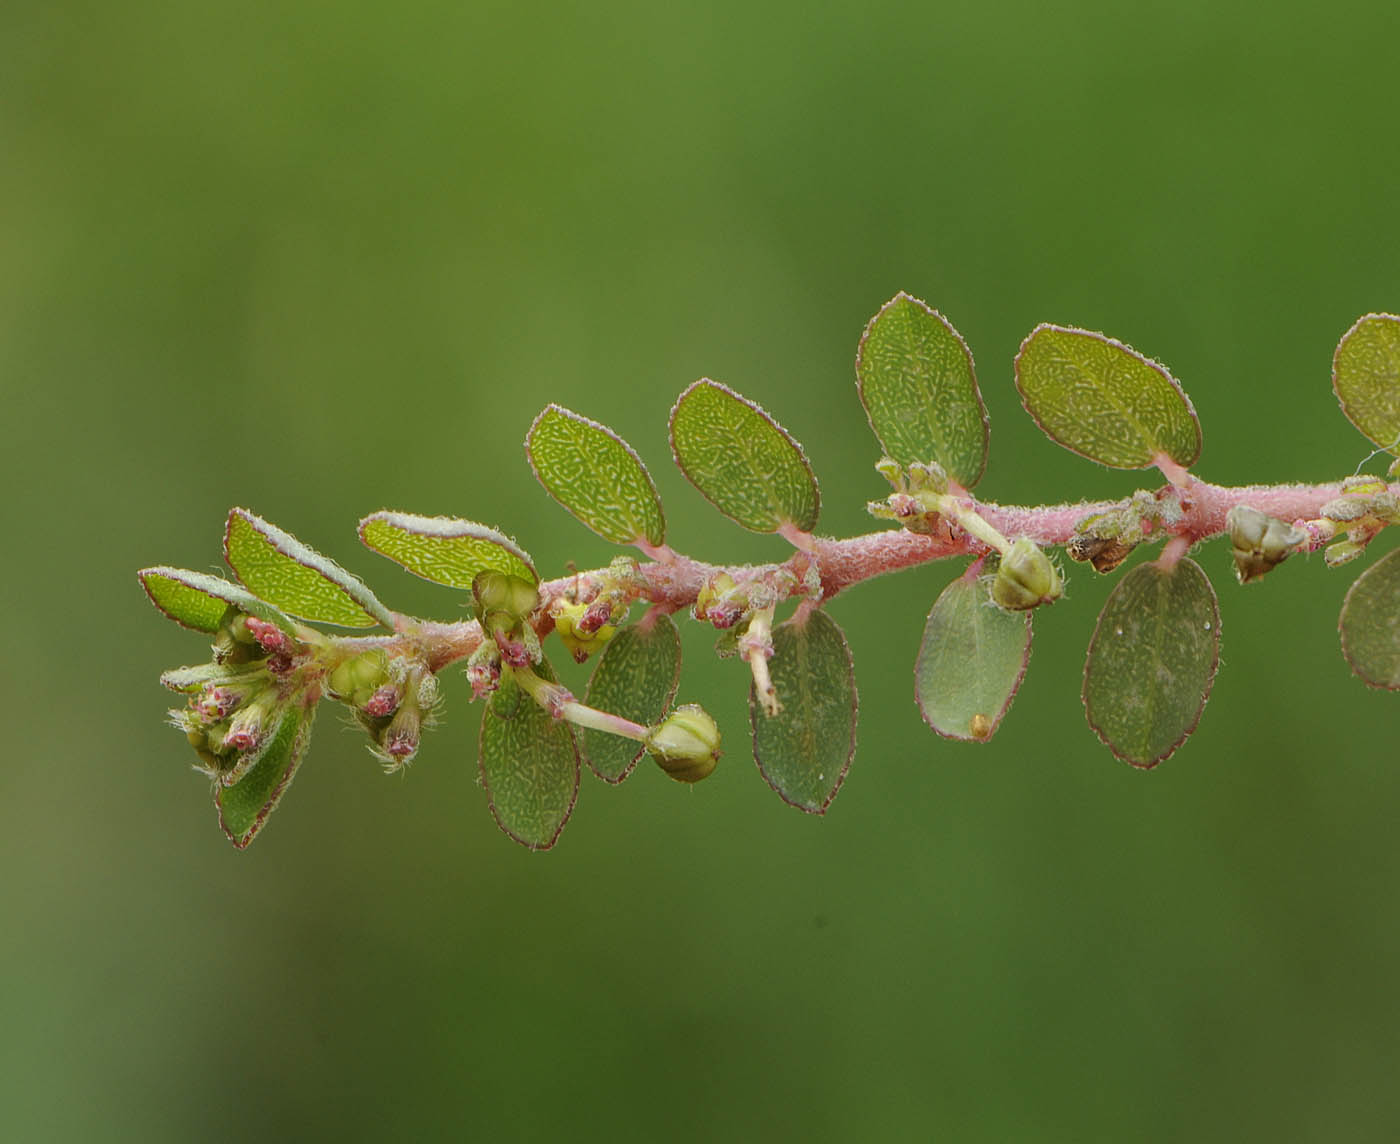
x,y
636,678
596,475
1370,624
199,601
1103,400
1366,378
742,461
916,380
245,806
1152,661
971,662
281,569
444,549
804,751
529,767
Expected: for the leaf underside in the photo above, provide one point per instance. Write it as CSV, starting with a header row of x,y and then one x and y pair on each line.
x,y
1105,401
245,806
804,751
742,461
971,662
199,601
596,475
636,677
445,550
1152,661
529,767
1370,623
1366,378
278,567
916,380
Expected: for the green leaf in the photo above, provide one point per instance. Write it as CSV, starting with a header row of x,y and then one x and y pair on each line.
x,y
1370,624
636,678
1152,661
244,807
742,461
804,751
281,569
1366,378
596,475
529,767
915,376
1104,400
200,601
444,549
971,661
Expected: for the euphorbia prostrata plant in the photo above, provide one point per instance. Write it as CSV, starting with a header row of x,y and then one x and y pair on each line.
x,y
1151,660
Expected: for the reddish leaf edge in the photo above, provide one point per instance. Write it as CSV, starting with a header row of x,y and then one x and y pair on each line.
x,y
295,759
851,749
533,847
904,296
1005,707
1205,695
1152,362
463,528
1341,631
555,407
791,440
275,536
626,772
1389,447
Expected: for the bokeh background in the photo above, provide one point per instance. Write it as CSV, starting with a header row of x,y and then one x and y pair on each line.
x,y
319,259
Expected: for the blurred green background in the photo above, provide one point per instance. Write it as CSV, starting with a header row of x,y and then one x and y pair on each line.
x,y
319,259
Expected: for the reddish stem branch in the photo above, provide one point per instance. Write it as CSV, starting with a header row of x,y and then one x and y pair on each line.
x,y
674,583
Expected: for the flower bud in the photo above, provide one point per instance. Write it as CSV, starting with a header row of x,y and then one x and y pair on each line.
x,y
583,630
1026,578
685,744
892,471
382,702
1259,542
712,598
927,476
250,724
401,738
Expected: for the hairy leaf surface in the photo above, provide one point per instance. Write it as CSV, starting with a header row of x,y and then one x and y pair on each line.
x,y
529,767
1104,400
636,678
596,475
1370,623
742,461
917,383
444,549
805,750
1152,661
971,661
1366,378
199,601
244,806
284,571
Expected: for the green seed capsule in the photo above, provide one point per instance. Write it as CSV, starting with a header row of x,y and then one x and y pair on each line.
x,y
686,744
1259,542
1026,578
497,592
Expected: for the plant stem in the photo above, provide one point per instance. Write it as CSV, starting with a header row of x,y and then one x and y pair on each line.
x,y
674,583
